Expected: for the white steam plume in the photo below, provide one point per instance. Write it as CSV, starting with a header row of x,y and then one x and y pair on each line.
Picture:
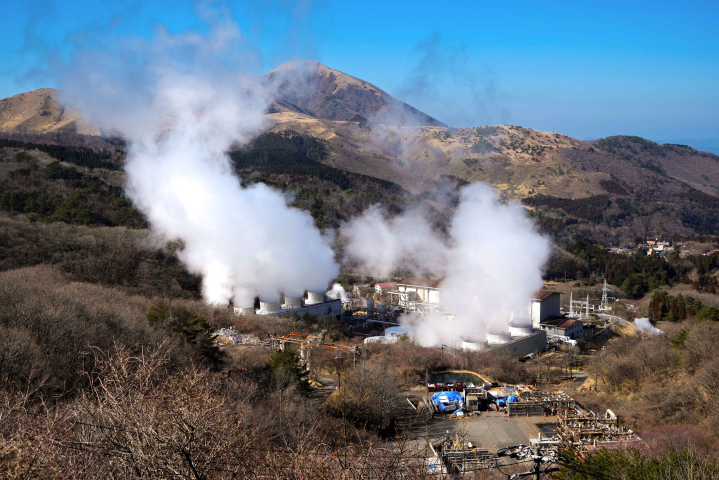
x,y
338,291
492,262
180,103
644,325
382,244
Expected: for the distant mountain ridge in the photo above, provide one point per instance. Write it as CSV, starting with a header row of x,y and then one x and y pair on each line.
x,y
705,144
616,187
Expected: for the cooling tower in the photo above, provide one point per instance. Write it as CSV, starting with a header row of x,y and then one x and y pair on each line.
x,y
498,338
293,302
269,307
473,342
471,345
370,306
383,307
244,311
520,327
314,297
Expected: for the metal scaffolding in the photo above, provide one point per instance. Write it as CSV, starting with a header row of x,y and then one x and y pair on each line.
x,y
583,305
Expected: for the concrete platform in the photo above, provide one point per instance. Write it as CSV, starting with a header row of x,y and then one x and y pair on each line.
x,y
491,432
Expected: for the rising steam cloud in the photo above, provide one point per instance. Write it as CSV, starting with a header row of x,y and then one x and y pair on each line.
x,y
645,326
491,263
180,104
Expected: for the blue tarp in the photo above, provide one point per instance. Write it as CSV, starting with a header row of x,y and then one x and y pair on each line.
x,y
512,399
501,401
447,399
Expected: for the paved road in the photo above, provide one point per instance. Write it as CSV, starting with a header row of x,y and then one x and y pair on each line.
x,y
329,385
612,318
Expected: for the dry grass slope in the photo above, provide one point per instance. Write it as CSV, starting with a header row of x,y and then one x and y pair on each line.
x,y
40,111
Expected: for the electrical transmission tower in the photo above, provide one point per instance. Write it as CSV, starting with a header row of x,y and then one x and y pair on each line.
x,y
604,305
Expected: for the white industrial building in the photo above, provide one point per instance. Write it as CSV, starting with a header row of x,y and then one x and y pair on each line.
x,y
427,289
392,335
522,335
544,305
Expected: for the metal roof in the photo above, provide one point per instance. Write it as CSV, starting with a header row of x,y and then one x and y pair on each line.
x,y
560,322
421,282
542,294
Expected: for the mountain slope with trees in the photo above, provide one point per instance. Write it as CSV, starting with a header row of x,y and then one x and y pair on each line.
x,y
613,189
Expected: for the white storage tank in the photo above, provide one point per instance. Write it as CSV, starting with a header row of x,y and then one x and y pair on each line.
x,y
471,345
498,338
293,302
269,307
315,297
520,327
473,342
244,310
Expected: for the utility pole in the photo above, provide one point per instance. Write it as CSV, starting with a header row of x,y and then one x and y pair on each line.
x,y
426,382
537,463
587,307
339,378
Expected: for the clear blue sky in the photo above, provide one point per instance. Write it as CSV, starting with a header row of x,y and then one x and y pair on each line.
x,y
586,69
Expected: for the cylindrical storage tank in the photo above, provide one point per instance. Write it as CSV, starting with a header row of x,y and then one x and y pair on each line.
x,y
269,307
471,345
370,306
497,338
383,307
315,297
520,331
293,302
520,327
244,310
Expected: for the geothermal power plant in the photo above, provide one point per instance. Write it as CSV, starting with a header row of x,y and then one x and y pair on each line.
x,y
397,310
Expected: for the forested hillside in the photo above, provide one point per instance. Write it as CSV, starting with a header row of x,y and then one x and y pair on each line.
x,y
76,185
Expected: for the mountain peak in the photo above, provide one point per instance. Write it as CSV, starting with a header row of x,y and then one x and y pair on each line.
x,y
308,87
40,111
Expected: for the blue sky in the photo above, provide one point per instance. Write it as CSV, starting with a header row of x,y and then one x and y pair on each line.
x,y
586,69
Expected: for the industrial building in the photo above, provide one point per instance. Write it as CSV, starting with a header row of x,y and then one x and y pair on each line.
x,y
523,336
317,304
427,289
563,327
544,305
384,287
522,346
517,342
